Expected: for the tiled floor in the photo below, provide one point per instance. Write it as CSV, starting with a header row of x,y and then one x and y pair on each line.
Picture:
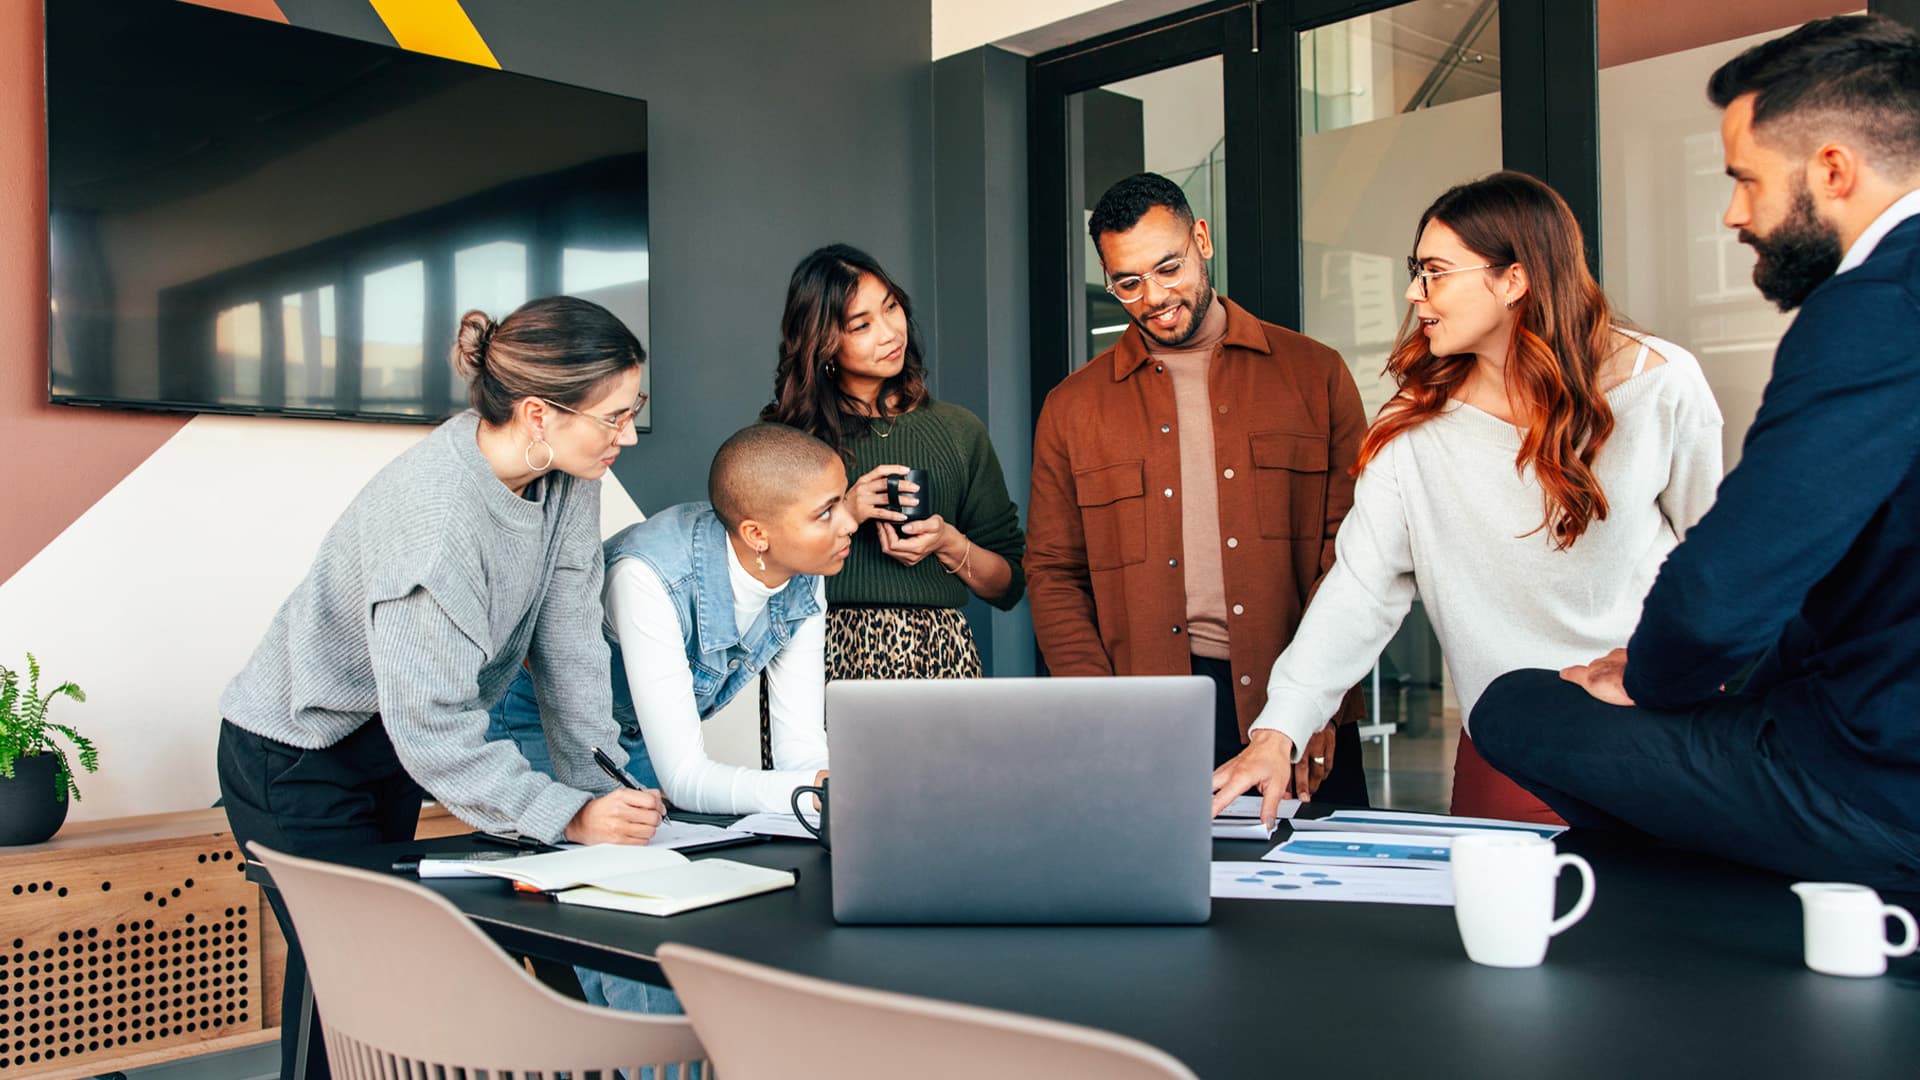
x,y
1420,754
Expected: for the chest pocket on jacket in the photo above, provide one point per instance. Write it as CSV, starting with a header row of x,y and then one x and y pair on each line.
x,y
1290,484
1113,513
706,681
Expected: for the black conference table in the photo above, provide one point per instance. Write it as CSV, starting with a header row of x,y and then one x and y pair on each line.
x,y
1686,966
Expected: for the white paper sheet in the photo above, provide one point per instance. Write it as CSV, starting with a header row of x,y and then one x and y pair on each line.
x,y
674,835
1248,806
775,824
1344,884
1365,849
1395,821
1241,829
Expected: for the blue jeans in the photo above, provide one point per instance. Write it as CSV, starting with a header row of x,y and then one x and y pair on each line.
x,y
517,717
1718,777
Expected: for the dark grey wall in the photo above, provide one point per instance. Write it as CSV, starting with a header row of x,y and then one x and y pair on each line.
x,y
983,341
774,128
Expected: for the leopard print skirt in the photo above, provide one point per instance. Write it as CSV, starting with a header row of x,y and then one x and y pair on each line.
x,y
889,643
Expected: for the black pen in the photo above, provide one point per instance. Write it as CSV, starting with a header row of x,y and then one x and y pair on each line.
x,y
521,843
623,777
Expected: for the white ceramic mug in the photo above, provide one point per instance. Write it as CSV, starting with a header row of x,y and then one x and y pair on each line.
x,y
1847,929
1503,896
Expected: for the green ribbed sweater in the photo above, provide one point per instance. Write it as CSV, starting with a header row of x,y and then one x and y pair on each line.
x,y
969,491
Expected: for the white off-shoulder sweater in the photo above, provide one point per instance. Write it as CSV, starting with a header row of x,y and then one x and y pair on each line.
x,y
1443,510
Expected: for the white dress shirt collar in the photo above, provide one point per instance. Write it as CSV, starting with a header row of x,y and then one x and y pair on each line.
x,y
1904,207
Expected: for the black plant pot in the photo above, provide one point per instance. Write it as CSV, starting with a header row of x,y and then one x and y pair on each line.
x,y
31,810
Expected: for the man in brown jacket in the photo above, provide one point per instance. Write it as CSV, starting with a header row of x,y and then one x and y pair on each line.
x,y
1187,485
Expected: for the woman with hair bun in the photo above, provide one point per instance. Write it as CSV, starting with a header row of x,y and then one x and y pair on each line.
x,y
1539,461
473,551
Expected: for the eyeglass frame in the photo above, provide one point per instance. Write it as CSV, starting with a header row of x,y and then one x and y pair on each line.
x,y
632,419
1416,272
1180,276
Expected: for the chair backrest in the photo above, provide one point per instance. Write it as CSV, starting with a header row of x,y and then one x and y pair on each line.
x,y
401,977
759,1023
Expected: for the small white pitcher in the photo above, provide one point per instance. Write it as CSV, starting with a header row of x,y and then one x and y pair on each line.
x,y
1847,929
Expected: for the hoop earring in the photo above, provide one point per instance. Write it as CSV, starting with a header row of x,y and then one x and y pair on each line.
x,y
832,367
760,559
527,456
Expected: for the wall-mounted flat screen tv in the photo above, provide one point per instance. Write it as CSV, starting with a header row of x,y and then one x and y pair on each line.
x,y
249,217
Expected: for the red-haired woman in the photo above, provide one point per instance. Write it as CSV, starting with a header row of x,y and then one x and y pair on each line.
x,y
1537,465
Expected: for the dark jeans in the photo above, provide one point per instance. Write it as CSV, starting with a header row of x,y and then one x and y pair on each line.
x,y
1345,785
1717,778
313,802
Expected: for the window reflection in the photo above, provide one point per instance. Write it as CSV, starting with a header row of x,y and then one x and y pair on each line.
x,y
616,279
236,355
311,344
490,277
394,311
324,330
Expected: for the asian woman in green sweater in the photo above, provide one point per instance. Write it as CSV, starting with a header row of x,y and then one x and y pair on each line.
x,y
853,373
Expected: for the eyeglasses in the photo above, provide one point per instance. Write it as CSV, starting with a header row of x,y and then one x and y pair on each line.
x,y
616,424
1424,277
1131,288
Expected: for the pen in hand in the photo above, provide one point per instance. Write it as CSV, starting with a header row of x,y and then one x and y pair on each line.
x,y
624,778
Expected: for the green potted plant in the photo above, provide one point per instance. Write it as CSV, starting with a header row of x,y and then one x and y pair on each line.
x,y
35,775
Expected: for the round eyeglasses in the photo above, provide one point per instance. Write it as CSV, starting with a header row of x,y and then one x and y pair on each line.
x,y
1132,288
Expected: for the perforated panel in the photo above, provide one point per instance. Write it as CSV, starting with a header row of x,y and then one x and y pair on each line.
x,y
135,947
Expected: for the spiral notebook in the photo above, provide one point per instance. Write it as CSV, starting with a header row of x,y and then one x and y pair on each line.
x,y
646,880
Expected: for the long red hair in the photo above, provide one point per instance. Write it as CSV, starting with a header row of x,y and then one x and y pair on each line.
x,y
1563,332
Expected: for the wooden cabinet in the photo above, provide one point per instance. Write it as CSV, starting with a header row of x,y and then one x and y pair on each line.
x,y
136,941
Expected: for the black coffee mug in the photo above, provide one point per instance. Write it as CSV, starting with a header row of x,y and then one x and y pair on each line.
x,y
918,512
825,831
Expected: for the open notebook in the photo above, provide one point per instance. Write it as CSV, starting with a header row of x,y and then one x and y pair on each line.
x,y
647,880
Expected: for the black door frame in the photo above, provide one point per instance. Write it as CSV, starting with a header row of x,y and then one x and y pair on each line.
x,y
1549,127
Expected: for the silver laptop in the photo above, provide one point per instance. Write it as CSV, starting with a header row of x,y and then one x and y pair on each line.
x,y
1021,800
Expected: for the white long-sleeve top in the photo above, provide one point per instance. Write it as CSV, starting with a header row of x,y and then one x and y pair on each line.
x,y
1442,509
642,616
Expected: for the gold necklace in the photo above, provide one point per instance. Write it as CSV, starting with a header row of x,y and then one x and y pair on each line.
x,y
871,426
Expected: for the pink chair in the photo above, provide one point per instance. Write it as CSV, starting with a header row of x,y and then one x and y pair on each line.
x,y
760,1023
406,985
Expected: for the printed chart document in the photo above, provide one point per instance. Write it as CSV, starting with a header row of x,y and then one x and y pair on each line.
x,y
648,880
1342,884
1365,849
776,824
1397,821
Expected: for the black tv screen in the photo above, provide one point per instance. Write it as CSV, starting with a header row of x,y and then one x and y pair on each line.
x,y
249,217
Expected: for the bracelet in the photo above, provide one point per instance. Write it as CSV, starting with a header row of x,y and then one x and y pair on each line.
x,y
964,559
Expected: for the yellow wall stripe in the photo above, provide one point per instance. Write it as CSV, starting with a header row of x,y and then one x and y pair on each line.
x,y
436,27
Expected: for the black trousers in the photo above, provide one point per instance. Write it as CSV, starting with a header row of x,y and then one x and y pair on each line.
x,y
1345,785
1718,778
313,802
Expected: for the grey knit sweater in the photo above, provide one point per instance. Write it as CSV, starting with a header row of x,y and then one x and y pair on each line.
x,y
424,598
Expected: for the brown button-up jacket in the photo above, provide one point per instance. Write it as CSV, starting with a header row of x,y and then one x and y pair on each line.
x,y
1104,537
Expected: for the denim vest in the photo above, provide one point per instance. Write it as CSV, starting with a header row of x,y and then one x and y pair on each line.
x,y
686,547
